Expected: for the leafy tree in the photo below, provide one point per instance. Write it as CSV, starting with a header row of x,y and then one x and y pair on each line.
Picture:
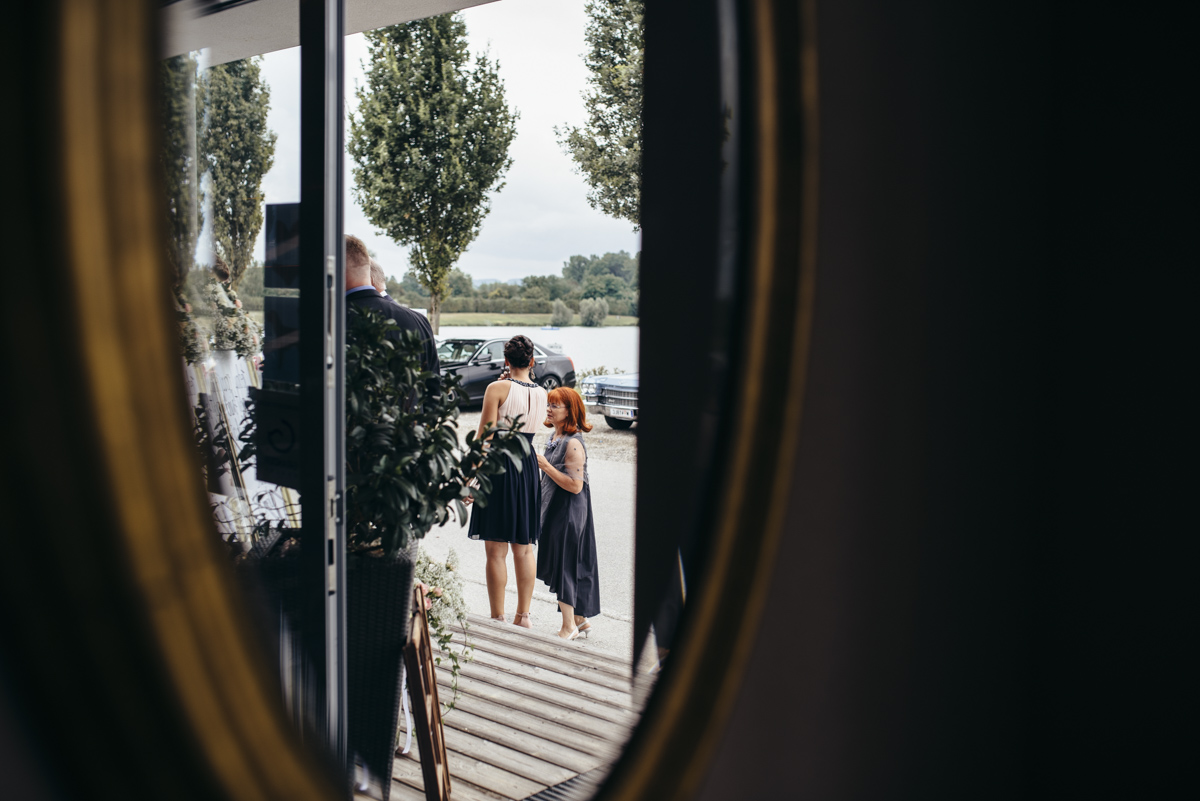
x,y
593,312
620,264
554,286
562,314
181,162
575,267
430,141
239,150
536,293
603,286
608,148
411,284
461,285
396,290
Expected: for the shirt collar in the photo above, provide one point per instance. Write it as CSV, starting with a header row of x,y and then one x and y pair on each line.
x,y
360,288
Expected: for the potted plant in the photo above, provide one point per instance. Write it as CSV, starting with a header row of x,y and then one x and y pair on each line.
x,y
406,472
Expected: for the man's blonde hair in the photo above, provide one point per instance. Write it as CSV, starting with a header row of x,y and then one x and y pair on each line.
x,y
378,279
358,260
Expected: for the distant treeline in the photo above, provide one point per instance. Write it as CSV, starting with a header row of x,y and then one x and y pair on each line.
x,y
612,277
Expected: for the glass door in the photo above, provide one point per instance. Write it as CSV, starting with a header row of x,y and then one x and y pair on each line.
x,y
251,155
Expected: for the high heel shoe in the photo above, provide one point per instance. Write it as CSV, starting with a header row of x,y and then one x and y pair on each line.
x,y
585,628
522,619
574,634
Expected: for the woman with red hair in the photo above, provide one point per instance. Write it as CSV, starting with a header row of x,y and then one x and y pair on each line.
x,y
566,559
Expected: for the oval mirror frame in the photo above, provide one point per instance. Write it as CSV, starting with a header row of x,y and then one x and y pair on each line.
x,y
774,60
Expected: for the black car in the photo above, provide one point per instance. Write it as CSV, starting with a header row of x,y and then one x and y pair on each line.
x,y
479,362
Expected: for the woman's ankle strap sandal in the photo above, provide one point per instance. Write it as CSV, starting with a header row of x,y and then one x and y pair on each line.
x,y
522,619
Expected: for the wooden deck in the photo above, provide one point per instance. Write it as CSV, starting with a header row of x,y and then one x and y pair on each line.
x,y
534,712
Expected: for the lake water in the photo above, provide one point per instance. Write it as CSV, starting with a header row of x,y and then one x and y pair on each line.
x,y
614,348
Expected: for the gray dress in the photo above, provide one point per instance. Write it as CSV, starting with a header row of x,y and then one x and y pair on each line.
x,y
566,560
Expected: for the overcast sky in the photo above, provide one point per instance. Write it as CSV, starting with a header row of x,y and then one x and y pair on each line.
x,y
541,217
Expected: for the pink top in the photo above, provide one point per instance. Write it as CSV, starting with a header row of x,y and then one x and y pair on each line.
x,y
529,402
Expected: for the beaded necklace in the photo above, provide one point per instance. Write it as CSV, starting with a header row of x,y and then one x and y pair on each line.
x,y
522,383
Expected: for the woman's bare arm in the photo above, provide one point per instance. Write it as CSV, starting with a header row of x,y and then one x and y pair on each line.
x,y
493,396
572,479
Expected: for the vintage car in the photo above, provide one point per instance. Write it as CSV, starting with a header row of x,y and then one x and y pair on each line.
x,y
479,362
614,396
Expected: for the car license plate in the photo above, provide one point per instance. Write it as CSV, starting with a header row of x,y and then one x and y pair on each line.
x,y
624,413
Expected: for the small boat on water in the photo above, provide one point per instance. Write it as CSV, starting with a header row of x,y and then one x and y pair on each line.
x,y
549,327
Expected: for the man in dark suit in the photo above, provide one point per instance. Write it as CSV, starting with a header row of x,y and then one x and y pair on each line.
x,y
361,293
379,280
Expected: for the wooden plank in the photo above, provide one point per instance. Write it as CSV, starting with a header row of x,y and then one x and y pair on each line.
x,y
616,662
570,752
404,792
537,645
407,773
542,693
510,753
481,774
542,644
494,703
581,646
538,653
586,673
571,685
563,711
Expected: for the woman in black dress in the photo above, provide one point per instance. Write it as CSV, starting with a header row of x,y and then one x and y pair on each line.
x,y
511,518
566,559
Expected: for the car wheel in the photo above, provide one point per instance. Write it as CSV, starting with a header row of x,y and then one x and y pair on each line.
x,y
550,382
618,423
460,397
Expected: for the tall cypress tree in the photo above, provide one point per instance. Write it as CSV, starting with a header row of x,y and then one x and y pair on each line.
x,y
238,150
430,142
608,148
180,162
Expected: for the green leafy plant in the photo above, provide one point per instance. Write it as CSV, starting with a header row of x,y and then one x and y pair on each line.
x,y
593,312
562,314
444,605
405,469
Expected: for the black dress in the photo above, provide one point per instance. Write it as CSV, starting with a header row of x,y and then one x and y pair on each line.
x,y
513,510
567,561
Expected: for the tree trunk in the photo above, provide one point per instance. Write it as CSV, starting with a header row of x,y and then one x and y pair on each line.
x,y
435,312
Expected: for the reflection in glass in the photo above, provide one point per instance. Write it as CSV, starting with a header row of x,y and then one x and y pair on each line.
x,y
216,150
